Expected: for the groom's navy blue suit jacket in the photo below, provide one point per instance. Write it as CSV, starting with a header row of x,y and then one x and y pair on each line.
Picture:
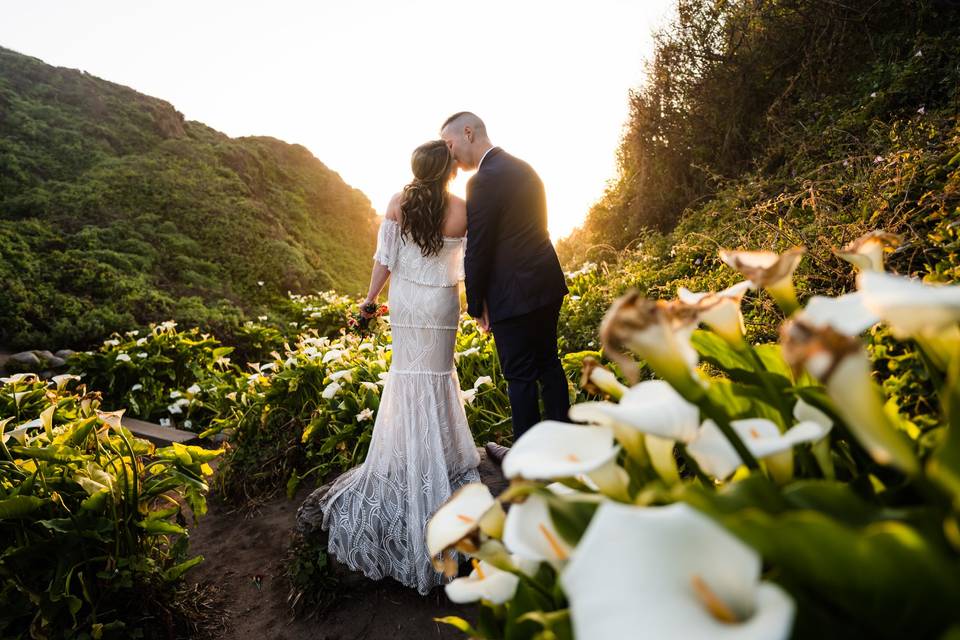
x,y
509,259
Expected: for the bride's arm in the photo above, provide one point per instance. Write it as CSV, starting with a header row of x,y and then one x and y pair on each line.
x,y
381,273
378,278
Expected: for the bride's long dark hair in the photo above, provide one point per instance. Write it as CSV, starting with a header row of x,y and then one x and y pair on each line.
x,y
425,198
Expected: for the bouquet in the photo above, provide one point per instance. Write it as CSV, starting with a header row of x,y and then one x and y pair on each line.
x,y
358,323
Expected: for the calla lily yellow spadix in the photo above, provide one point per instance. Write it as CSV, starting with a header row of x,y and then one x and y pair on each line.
x,y
720,311
866,252
672,573
659,333
770,270
841,364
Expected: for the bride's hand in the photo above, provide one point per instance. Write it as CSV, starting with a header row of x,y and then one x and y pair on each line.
x,y
366,314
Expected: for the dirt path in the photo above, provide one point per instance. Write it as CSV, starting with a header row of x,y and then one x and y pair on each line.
x,y
237,547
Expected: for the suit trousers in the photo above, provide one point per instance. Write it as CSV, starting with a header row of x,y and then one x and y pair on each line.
x,y
527,348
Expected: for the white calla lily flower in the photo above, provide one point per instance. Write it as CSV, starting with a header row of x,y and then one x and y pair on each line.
x,y
20,377
597,379
673,573
529,532
846,314
467,395
717,457
552,449
485,582
652,406
721,310
481,381
657,331
866,252
841,364
330,390
928,313
61,380
770,270
470,509
345,374
655,409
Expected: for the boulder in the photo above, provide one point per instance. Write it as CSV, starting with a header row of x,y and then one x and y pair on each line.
x,y
65,353
23,362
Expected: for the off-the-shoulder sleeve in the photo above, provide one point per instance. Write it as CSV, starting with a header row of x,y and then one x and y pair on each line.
x,y
388,243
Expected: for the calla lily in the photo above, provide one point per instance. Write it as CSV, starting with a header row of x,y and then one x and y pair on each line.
x,y
481,381
457,524
468,395
841,363
654,408
529,531
657,331
345,374
485,582
19,433
866,252
720,311
772,271
596,379
673,573
717,457
61,380
927,313
330,390
845,314
333,354
551,449
19,377
112,418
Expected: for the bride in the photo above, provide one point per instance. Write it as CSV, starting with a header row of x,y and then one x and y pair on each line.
x,y
421,449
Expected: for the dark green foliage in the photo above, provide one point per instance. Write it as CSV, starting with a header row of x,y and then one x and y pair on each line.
x,y
785,91
116,212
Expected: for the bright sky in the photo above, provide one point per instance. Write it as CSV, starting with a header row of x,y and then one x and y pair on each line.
x,y
362,83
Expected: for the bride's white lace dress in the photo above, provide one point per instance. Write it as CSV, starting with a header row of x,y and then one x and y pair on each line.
x,y
422,449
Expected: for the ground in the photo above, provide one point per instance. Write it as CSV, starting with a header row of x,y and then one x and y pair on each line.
x,y
238,546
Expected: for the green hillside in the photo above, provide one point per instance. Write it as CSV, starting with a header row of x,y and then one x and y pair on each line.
x,y
115,212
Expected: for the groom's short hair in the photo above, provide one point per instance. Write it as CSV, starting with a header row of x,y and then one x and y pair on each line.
x,y
469,118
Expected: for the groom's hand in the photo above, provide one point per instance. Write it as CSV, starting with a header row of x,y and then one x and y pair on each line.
x,y
484,319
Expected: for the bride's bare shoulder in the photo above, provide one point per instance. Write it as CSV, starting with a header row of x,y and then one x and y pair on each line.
x,y
393,208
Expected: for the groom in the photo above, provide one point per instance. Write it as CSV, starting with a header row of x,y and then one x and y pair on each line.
x,y
514,281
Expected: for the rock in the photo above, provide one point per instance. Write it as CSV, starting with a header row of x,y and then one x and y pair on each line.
x,y
309,515
23,362
45,356
65,353
56,363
